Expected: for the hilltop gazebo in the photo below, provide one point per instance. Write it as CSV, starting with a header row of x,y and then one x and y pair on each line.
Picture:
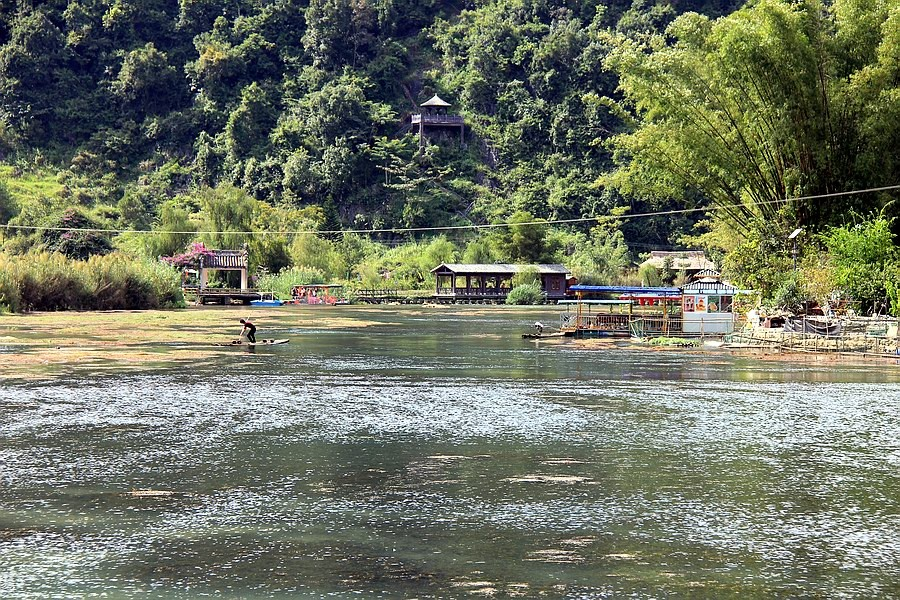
x,y
435,117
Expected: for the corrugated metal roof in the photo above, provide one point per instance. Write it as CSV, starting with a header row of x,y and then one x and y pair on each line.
x,y
707,285
500,268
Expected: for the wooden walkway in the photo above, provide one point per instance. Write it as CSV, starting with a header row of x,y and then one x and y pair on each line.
x,y
392,296
221,295
388,296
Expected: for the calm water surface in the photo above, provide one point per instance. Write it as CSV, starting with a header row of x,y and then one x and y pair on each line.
x,y
439,455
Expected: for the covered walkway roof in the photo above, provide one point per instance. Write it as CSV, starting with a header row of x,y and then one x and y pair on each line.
x,y
499,268
626,289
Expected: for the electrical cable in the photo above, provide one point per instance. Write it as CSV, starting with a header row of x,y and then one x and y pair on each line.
x,y
473,227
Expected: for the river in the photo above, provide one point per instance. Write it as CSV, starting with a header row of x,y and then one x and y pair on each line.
x,y
437,454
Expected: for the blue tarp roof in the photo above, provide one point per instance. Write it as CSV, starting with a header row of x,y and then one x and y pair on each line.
x,y
626,289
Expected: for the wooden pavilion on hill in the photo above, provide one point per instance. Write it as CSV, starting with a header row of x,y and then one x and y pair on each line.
x,y
455,281
435,118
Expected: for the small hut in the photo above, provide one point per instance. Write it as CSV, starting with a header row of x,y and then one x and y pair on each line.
x,y
434,118
707,304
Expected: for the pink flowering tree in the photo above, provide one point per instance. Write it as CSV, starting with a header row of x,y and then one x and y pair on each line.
x,y
191,257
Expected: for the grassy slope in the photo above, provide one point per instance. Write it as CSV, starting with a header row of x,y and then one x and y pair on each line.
x,y
30,185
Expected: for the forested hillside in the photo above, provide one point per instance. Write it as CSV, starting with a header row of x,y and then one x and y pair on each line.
x,y
285,116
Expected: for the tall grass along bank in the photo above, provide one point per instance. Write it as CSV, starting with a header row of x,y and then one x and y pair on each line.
x,y
50,281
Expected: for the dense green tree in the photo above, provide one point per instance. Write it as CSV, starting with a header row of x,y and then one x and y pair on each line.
x,y
864,257
30,77
340,32
600,257
147,84
248,127
226,214
758,107
481,251
172,232
525,240
197,16
8,205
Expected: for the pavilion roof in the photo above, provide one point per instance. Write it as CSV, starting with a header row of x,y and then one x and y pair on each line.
x,y
499,268
436,101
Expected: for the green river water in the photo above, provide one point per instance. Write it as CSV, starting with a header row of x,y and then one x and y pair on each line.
x,y
440,455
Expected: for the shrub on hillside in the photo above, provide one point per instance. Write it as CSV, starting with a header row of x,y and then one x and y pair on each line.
x,y
10,298
118,282
49,281
790,295
75,235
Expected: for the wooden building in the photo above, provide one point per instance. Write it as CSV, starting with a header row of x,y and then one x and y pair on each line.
x,y
435,118
621,311
494,281
703,307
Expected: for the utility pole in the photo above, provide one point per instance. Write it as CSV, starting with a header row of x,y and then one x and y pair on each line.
x,y
793,237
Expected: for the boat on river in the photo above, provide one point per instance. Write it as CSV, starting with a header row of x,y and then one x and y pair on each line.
x,y
328,294
266,299
257,343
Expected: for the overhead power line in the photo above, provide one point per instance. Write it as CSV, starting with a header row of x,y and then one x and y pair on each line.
x,y
622,217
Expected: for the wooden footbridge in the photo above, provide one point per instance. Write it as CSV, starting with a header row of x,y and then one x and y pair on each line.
x,y
391,296
388,296
221,295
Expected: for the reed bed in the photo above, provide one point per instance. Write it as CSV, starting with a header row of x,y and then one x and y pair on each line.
x,y
49,281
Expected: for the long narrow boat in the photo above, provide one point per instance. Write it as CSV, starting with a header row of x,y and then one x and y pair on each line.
x,y
258,343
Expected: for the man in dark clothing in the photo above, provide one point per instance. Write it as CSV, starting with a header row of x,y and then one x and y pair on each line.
x,y
250,330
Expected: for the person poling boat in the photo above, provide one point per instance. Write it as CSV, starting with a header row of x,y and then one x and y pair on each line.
x,y
249,329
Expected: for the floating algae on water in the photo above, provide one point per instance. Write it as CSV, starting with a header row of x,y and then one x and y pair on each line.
x,y
149,493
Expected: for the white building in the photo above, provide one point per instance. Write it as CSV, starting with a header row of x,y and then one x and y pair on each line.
x,y
707,305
